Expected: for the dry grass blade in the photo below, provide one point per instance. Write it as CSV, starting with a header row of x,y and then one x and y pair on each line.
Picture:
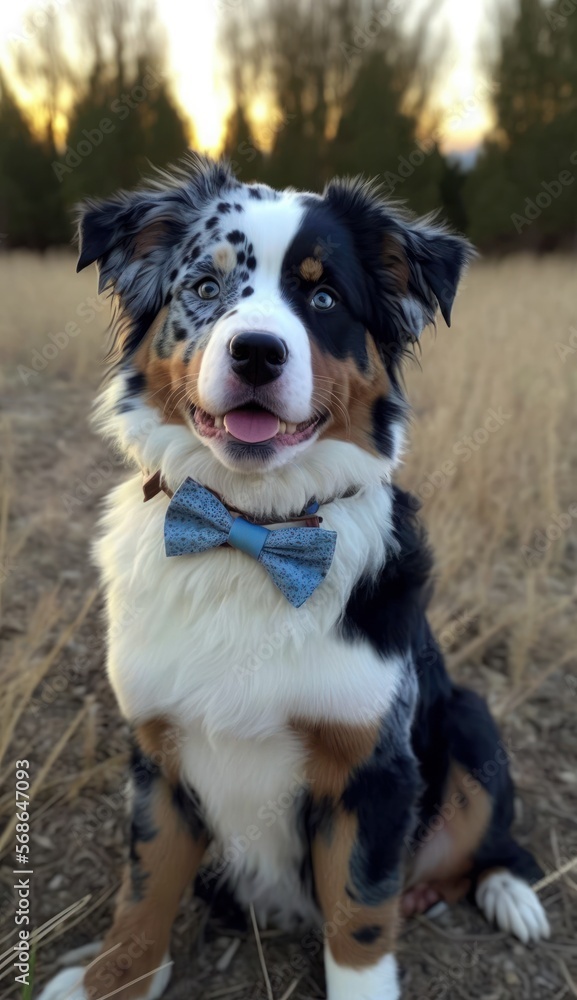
x,y
7,957
569,979
261,954
38,782
516,698
34,675
288,993
553,876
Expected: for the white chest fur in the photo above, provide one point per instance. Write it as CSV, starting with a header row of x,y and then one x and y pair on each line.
x,y
207,639
208,642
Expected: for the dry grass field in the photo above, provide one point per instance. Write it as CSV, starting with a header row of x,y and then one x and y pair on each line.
x,y
493,455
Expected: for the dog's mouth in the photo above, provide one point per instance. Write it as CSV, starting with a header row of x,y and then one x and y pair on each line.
x,y
254,425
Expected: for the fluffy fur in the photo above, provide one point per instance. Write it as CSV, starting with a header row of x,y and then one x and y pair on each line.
x,y
303,756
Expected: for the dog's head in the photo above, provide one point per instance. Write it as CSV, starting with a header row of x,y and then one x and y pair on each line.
x,y
265,321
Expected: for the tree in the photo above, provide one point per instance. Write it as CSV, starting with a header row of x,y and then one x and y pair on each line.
x,y
31,210
522,191
119,112
345,84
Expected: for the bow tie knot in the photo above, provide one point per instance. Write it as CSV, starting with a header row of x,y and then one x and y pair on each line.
x,y
296,559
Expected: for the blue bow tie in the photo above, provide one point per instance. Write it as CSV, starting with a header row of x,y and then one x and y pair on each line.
x,y
296,559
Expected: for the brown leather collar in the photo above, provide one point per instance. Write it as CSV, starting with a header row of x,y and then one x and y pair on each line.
x,y
154,484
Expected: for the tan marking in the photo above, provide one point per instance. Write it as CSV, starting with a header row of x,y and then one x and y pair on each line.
x,y
149,238
311,269
171,383
396,263
138,940
333,752
224,258
445,859
349,394
161,741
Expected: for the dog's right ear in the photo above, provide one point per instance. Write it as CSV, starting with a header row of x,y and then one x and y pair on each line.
x,y
133,237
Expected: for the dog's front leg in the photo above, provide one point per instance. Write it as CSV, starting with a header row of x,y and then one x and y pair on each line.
x,y
363,786
167,842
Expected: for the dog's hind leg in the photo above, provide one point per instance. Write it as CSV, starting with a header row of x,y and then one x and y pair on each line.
x,y
168,841
464,846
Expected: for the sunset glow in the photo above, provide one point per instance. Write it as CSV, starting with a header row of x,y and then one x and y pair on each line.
x,y
200,83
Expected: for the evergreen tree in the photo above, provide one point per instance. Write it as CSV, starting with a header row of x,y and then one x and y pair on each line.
x,y
31,210
523,189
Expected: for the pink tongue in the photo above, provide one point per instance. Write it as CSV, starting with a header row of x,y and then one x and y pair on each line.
x,y
251,426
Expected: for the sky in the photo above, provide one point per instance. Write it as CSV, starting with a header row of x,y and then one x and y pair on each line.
x,y
192,26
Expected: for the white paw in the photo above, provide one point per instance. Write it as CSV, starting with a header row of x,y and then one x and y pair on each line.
x,y
512,904
67,985
374,982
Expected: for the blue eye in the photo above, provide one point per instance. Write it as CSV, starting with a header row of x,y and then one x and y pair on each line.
x,y
323,299
208,288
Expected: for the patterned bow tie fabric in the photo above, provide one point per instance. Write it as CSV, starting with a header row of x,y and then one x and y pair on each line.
x,y
296,559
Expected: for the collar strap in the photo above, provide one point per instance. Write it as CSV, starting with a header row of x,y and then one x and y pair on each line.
x,y
154,484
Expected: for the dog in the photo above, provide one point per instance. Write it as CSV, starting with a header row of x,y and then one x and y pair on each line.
x,y
297,738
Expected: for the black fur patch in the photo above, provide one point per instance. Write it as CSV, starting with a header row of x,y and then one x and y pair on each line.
x,y
389,611
144,774
189,806
383,794
368,934
386,413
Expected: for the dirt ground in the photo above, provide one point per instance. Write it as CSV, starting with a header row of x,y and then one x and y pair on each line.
x,y
59,473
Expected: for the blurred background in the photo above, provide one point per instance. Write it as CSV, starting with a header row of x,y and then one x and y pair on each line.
x,y
466,106
470,107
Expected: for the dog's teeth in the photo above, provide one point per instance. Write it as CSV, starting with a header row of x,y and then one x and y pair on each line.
x,y
291,428
218,422
281,427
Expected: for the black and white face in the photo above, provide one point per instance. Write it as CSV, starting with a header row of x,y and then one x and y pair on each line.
x,y
265,321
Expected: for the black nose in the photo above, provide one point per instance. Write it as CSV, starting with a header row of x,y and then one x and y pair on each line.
x,y
257,358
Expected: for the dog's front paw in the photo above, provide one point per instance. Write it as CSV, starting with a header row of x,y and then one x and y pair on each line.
x,y
513,905
375,982
66,985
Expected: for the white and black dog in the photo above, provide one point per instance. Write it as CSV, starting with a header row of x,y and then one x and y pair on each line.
x,y
302,738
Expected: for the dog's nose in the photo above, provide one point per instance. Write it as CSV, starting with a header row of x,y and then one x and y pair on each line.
x,y
257,358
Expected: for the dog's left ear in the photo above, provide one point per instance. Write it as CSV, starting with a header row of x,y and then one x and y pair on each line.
x,y
415,264
132,237
434,262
